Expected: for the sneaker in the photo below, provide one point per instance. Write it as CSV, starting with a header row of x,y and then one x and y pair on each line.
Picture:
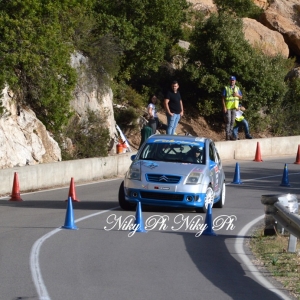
x,y
232,138
249,137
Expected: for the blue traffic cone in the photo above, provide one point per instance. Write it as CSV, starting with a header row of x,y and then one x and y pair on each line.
x,y
208,221
285,177
139,218
69,221
237,178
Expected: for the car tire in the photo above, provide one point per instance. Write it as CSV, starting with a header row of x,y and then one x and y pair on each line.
x,y
122,201
209,192
221,202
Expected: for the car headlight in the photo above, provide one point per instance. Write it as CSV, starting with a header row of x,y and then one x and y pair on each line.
x,y
134,171
194,178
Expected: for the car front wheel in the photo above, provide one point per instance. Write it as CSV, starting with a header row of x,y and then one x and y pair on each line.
x,y
209,197
122,201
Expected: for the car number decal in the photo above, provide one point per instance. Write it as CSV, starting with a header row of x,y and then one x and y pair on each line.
x,y
161,188
198,170
196,143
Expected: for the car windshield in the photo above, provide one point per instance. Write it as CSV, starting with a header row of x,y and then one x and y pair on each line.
x,y
174,152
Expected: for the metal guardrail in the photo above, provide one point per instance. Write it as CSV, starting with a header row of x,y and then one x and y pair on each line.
x,y
283,209
290,221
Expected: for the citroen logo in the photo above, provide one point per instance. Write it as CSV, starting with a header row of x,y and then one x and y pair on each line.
x,y
152,165
163,178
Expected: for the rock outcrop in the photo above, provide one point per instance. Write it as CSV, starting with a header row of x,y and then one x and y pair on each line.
x,y
284,17
24,140
269,41
205,6
261,3
88,96
294,73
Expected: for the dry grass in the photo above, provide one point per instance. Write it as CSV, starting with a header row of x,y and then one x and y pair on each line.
x,y
271,253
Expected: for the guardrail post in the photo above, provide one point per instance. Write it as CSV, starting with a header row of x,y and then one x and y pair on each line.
x,y
292,243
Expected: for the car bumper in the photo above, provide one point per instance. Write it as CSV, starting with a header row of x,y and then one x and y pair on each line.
x,y
160,198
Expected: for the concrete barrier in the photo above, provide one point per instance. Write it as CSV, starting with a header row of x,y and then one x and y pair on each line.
x,y
85,170
60,173
246,149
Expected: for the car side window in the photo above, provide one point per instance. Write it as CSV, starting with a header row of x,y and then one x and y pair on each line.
x,y
212,153
217,157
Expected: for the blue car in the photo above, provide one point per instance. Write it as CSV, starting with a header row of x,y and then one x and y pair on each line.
x,y
175,171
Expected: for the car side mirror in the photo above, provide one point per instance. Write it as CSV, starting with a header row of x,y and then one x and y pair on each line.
x,y
132,157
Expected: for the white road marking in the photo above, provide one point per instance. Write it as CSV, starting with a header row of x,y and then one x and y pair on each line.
x,y
34,258
239,248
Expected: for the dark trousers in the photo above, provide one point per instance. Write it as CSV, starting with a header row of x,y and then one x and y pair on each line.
x,y
153,123
229,118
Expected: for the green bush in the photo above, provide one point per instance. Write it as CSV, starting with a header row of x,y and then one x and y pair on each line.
x,y
126,118
90,138
242,9
126,95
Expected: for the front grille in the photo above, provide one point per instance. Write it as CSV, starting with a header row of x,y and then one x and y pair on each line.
x,y
161,178
162,196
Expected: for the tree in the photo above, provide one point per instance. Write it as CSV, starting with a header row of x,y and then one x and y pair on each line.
x,y
146,30
219,50
35,50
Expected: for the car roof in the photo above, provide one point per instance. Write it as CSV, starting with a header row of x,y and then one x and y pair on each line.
x,y
176,138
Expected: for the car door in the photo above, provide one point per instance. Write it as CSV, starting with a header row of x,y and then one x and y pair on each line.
x,y
215,167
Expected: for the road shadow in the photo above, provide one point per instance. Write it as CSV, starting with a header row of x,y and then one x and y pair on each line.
x,y
213,259
54,204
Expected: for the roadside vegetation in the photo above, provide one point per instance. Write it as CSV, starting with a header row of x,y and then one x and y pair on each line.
x,y
271,254
132,46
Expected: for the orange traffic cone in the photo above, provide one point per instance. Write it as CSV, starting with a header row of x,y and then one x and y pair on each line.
x,y
298,156
72,192
258,154
15,194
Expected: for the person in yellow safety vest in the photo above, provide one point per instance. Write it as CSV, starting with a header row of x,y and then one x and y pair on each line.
x,y
240,121
230,101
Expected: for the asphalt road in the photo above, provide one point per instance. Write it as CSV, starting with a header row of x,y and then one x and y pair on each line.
x,y
100,260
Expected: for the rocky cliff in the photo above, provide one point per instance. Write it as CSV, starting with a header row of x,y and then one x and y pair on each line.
x,y
24,140
278,30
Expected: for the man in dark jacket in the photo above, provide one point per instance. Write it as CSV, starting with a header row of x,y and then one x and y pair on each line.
x,y
174,107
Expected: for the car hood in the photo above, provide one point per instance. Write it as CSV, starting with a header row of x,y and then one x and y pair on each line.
x,y
161,167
